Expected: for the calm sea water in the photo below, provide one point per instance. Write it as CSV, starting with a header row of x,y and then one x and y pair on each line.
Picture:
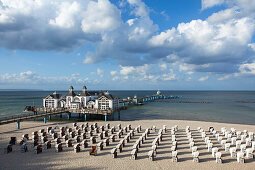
x,y
223,108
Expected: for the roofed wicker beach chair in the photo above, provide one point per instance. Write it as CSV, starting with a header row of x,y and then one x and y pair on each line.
x,y
93,151
140,127
194,149
58,147
105,133
164,128
248,141
151,155
214,151
83,136
238,144
48,129
102,128
95,125
65,137
47,145
108,126
126,138
195,156
227,146
78,131
141,139
154,148
232,151
54,135
85,143
240,157
119,126
122,142
112,138
154,128
25,136
253,145
233,140
44,139
69,143
243,148
114,153
77,139
77,148
138,142
218,157
38,149
249,153
174,156
106,142
134,154
210,146
92,140
119,147
74,124
34,143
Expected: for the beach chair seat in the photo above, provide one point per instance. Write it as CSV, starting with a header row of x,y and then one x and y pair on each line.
x,y
240,157
38,149
134,154
174,156
114,153
77,148
151,155
218,157
24,148
85,143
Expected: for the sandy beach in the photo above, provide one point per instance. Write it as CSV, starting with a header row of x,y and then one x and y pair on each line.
x,y
68,159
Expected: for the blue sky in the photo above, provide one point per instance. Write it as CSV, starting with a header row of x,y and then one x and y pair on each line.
x,y
127,44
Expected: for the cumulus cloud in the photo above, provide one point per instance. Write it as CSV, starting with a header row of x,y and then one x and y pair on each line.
x,y
211,3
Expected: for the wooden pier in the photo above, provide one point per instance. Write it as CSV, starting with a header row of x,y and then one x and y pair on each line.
x,y
48,112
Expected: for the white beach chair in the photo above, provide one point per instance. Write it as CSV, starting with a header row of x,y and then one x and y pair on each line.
x,y
134,154
218,157
233,140
240,157
232,151
248,141
195,156
243,148
249,153
227,146
151,155
209,146
114,152
238,144
174,156
214,150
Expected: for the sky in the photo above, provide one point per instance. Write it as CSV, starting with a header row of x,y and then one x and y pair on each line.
x,y
127,44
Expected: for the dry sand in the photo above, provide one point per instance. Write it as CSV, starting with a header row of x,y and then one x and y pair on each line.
x,y
68,159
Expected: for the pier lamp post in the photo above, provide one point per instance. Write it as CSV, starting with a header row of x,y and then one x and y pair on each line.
x,y
85,117
105,118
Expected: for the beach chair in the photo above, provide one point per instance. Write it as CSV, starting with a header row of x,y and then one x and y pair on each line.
x,y
47,145
106,142
57,140
210,129
174,156
48,129
240,157
100,136
214,151
141,139
253,145
69,143
92,140
243,138
59,147
102,128
119,126
191,144
108,126
44,139
227,146
248,141
251,135
13,141
78,132
154,148
249,153
164,128
233,140
126,138
119,147
105,133
112,138
209,146
93,151
95,125
151,155
232,151
86,124
134,154
24,148
65,137
114,153
34,143
82,126
195,156
85,143
38,149
72,135
223,142
77,148
112,130
77,139
238,144
238,134
144,136
218,157
41,130
8,149
122,142
138,142
74,124
100,146
194,149
54,135
96,130
125,129
243,148
132,132
83,135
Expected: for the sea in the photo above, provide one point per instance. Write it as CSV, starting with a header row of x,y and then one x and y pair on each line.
x,y
224,106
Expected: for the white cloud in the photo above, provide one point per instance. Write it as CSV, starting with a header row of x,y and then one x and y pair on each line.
x,y
100,72
203,78
100,16
247,69
163,66
211,3
113,73
225,77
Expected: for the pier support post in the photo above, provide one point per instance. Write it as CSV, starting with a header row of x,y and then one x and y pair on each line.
x,y
60,115
105,118
85,117
45,120
113,116
118,115
18,124
69,116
